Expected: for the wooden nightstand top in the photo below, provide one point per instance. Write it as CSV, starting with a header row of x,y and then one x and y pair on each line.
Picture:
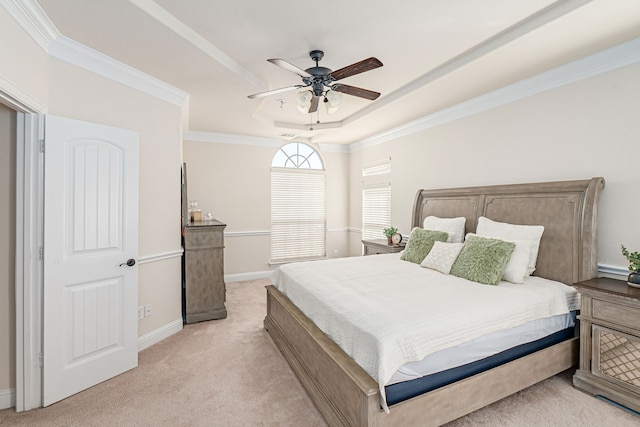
x,y
610,286
379,246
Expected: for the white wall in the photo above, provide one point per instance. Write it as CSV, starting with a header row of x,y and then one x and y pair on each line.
x,y
578,131
234,182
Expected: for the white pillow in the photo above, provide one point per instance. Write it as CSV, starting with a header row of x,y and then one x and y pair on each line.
x,y
453,226
442,256
517,268
512,232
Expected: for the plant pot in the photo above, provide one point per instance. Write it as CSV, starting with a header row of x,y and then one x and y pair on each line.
x,y
389,242
634,279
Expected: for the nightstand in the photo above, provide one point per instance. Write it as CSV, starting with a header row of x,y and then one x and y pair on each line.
x,y
380,246
609,341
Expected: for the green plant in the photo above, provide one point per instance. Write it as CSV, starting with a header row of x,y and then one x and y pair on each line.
x,y
633,258
389,231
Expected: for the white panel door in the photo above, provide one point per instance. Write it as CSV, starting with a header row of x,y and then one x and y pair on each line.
x,y
90,232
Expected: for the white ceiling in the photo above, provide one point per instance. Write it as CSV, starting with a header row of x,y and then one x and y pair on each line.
x,y
436,53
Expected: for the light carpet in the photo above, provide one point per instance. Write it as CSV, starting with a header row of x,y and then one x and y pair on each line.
x,y
229,373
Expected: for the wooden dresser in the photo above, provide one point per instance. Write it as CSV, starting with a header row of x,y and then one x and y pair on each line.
x,y
204,290
610,341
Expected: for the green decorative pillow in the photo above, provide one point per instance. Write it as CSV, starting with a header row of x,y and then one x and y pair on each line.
x,y
420,243
483,260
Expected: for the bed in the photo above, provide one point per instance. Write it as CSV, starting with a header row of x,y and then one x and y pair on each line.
x,y
347,395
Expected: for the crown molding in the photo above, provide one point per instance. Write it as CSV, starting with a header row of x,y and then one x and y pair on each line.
x,y
161,15
315,126
227,138
604,61
30,16
531,23
77,54
234,139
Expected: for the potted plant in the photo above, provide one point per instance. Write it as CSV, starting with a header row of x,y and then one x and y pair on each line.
x,y
634,266
389,231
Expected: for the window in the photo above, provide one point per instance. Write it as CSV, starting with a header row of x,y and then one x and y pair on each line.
x,y
298,217
376,198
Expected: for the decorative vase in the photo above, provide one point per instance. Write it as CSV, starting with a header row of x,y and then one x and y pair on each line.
x,y
634,279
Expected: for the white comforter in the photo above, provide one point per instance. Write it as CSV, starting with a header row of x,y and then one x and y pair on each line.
x,y
385,312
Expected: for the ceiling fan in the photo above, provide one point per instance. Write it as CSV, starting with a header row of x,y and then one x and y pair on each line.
x,y
321,80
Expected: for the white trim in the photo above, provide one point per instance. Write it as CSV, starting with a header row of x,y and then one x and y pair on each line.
x,y
29,279
77,54
306,127
30,16
614,269
243,277
174,24
157,335
228,138
247,233
235,139
519,29
337,229
18,99
268,232
161,256
7,398
607,60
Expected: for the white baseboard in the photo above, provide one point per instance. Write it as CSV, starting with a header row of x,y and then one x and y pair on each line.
x,y
7,398
157,335
614,270
241,277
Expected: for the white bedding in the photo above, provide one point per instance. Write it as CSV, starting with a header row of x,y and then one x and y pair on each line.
x,y
482,347
385,312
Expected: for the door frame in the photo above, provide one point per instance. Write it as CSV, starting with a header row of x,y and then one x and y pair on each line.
x,y
29,240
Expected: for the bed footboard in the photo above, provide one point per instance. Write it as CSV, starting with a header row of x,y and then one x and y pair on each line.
x,y
347,396
341,390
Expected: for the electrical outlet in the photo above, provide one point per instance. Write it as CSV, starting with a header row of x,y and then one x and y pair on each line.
x,y
147,310
140,312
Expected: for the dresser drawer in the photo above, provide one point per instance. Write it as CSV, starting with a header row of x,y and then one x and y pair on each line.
x,y
616,313
204,238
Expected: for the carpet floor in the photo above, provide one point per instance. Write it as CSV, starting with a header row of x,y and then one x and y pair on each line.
x,y
229,373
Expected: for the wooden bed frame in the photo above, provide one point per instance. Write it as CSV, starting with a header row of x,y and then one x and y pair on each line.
x,y
347,396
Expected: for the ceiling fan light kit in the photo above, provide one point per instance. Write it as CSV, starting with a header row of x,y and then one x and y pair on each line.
x,y
320,83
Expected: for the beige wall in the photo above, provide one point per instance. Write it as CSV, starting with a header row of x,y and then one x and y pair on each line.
x,y
73,93
578,131
69,91
7,247
234,182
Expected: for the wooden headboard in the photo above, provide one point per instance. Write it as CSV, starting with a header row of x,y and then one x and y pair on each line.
x,y
568,210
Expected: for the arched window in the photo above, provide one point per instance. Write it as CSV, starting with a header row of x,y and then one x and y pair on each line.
x,y
298,217
297,155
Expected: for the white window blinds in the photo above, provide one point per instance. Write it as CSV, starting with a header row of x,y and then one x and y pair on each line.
x,y
376,198
298,215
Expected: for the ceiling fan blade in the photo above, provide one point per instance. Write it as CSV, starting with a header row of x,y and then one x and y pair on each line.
x,y
274,91
314,104
289,67
357,68
356,91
